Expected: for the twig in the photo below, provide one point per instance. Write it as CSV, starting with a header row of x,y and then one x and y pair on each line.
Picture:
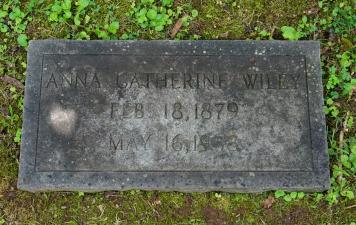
x,y
263,222
351,206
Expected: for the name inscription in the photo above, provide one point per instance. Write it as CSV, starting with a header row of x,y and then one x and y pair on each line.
x,y
127,80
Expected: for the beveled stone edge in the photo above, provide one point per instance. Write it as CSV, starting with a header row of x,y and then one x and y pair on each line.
x,y
38,47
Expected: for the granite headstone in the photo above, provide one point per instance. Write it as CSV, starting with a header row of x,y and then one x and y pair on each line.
x,y
235,116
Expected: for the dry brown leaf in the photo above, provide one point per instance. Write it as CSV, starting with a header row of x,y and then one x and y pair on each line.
x,y
157,202
268,202
101,209
13,81
177,27
312,11
4,111
224,35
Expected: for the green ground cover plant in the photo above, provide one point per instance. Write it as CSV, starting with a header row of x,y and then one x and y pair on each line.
x,y
332,22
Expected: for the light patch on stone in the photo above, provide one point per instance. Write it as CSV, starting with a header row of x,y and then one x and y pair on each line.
x,y
62,120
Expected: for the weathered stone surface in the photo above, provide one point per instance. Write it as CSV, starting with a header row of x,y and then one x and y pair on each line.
x,y
237,116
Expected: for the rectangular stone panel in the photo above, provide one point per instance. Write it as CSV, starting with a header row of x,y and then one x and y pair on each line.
x,y
237,116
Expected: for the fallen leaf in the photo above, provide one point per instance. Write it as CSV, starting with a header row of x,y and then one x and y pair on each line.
x,y
9,195
312,11
346,42
109,194
157,202
5,111
101,209
13,81
224,35
177,27
268,202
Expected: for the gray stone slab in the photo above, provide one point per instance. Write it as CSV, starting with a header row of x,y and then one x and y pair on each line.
x,y
235,116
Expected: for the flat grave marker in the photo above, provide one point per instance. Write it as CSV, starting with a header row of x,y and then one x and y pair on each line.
x,y
235,116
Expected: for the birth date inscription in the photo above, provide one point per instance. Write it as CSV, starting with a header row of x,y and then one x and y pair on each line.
x,y
175,111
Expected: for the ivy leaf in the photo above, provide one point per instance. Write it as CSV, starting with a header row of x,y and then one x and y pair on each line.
x,y
194,13
159,28
113,27
300,195
329,101
17,138
53,16
345,161
102,34
147,1
318,197
167,2
217,195
3,28
22,40
56,8
264,33
290,33
142,12
77,20
66,4
293,195
67,14
287,198
279,193
82,4
305,19
3,14
348,87
83,35
185,21
141,20
348,194
350,121
87,18
124,36
152,14
345,60
72,222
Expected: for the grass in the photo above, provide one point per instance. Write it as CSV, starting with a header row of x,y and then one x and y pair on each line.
x,y
138,207
328,21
